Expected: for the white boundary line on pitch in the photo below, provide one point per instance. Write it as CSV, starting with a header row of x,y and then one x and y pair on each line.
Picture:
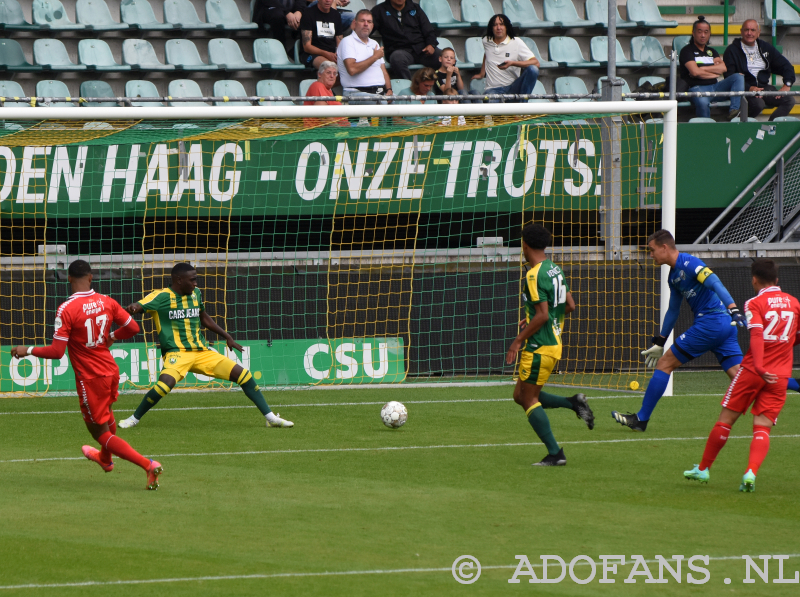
x,y
147,581
401,448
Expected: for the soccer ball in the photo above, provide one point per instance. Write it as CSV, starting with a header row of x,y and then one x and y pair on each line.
x,y
394,414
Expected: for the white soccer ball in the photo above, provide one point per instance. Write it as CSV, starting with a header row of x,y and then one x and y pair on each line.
x,y
394,414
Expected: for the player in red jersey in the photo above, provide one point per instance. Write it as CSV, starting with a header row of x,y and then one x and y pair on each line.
x,y
772,318
83,325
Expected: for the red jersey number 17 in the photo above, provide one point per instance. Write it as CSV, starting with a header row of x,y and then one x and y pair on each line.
x,y
96,330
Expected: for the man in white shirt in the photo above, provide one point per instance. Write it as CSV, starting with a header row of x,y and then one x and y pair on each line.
x,y
362,70
508,63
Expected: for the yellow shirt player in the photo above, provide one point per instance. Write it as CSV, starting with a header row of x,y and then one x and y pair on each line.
x,y
547,300
178,313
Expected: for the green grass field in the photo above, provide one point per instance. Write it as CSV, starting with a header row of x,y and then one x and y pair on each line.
x,y
341,505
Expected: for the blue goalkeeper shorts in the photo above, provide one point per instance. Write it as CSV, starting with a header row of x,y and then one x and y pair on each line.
x,y
714,333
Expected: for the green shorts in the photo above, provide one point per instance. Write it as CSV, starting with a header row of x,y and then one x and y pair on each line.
x,y
535,368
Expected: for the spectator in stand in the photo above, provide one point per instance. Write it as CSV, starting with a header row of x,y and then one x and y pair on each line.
x,y
757,60
421,84
346,14
508,63
448,76
321,31
323,87
362,68
273,16
701,66
408,36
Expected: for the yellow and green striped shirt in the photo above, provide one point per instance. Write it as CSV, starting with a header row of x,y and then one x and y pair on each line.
x,y
177,319
545,282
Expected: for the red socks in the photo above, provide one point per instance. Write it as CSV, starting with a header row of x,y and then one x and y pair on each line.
x,y
105,455
758,447
119,447
716,441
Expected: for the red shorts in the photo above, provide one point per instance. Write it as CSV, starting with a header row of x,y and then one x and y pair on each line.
x,y
96,396
750,388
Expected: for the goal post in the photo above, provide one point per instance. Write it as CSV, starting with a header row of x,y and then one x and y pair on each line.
x,y
341,245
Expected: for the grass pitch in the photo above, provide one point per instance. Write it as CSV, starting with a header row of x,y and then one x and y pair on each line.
x,y
341,505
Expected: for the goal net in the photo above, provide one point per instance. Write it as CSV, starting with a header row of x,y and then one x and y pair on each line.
x,y
339,245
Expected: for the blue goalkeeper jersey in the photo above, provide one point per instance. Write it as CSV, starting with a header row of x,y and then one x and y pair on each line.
x,y
687,278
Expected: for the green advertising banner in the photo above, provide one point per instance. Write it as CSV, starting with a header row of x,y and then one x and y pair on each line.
x,y
277,363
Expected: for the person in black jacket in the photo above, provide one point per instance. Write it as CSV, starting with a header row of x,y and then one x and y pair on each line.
x,y
273,16
757,60
408,36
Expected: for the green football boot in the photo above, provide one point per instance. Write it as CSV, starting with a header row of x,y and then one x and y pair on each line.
x,y
696,474
748,482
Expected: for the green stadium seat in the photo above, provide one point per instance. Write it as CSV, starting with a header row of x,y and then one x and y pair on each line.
x,y
523,15
625,87
440,15
680,41
142,89
95,16
226,54
567,53
138,14
400,84
778,119
649,51
96,55
52,55
182,14
702,119
271,88
185,88
476,86
50,14
599,49
13,59
539,89
443,42
645,14
98,89
571,85
785,16
473,49
12,89
225,14
51,88
183,54
12,18
305,84
477,12
230,89
543,62
271,54
140,55
597,11
563,14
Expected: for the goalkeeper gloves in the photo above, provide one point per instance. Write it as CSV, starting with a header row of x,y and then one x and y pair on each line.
x,y
652,354
737,318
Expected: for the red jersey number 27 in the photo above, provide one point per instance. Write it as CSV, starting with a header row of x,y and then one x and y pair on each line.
x,y
95,330
773,318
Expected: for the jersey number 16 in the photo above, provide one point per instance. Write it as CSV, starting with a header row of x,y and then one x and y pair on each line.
x,y
559,291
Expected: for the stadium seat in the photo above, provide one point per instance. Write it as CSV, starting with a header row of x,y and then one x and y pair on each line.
x,y
567,53
95,16
97,89
52,55
651,79
50,14
702,119
476,86
183,54
12,18
599,49
185,88
270,88
226,54
401,84
571,85
523,15
182,14
778,119
50,89
13,59
138,14
785,15
625,87
96,55
645,14
563,14
225,14
12,89
440,15
271,54
543,63
476,12
142,89
230,88
473,50
539,89
680,41
597,11
649,51
305,84
443,42
140,55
